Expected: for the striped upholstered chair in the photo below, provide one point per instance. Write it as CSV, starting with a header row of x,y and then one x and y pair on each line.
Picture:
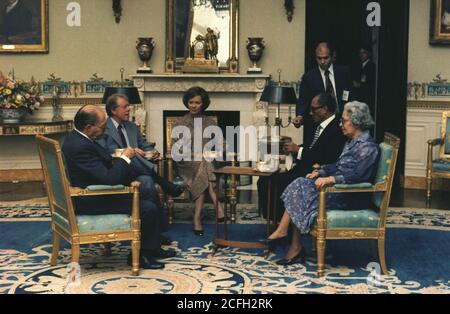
x,y
440,167
369,224
85,229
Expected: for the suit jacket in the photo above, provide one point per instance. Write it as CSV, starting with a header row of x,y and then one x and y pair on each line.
x,y
312,85
89,164
111,141
325,151
366,91
17,21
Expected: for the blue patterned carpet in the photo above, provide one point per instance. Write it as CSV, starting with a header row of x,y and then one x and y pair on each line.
x,y
417,249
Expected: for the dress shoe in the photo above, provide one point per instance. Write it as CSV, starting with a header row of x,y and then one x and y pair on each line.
x,y
274,242
221,220
160,253
165,240
299,258
146,262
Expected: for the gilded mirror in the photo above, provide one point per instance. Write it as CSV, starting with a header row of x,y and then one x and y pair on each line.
x,y
189,19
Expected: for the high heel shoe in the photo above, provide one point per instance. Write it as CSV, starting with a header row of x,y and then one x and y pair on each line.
x,y
299,258
198,233
274,242
221,220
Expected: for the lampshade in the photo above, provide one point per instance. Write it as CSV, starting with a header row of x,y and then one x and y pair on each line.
x,y
276,94
131,93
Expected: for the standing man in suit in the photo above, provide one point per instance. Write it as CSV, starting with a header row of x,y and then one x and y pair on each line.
x,y
364,81
121,133
323,148
325,78
90,164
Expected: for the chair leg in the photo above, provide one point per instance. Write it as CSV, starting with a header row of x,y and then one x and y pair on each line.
x,y
135,248
321,242
55,248
75,253
170,209
429,186
381,255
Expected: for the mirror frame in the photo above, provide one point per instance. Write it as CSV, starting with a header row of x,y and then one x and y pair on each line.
x,y
233,64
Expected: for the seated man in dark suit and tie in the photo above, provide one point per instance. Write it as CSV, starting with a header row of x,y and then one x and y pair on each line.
x,y
90,164
121,133
323,148
328,78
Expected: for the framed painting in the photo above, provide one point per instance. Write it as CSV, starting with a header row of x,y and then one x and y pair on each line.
x,y
440,22
23,26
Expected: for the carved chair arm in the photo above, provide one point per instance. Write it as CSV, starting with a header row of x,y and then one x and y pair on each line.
x,y
356,188
431,144
435,142
99,190
104,190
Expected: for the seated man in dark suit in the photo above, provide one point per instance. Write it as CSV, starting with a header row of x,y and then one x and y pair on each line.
x,y
121,133
323,148
327,77
90,164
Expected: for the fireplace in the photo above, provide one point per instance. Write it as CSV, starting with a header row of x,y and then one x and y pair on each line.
x,y
224,119
234,96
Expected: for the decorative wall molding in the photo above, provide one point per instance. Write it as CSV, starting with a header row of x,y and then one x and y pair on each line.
x,y
76,101
212,83
423,123
429,104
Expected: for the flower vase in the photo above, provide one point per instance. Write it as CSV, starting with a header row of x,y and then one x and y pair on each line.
x,y
12,115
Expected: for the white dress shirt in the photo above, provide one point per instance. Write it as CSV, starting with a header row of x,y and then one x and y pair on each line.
x,y
322,73
323,125
116,125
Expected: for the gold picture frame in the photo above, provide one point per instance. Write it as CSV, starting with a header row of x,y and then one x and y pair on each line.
x,y
440,22
180,23
24,26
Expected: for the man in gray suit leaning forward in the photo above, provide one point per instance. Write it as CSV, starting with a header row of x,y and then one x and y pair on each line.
x,y
121,133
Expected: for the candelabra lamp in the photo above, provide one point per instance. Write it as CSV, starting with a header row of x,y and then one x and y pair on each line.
x,y
277,94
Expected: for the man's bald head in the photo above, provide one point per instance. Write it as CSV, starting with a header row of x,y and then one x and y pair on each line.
x,y
90,120
324,53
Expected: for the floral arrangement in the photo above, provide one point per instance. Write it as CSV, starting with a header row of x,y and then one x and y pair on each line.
x,y
20,94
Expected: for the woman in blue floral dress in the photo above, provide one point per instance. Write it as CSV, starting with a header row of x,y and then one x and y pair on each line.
x,y
355,165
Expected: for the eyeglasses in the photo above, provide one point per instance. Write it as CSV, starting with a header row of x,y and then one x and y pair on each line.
x,y
344,120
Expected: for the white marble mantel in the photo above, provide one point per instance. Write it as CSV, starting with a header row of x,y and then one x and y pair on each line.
x,y
228,92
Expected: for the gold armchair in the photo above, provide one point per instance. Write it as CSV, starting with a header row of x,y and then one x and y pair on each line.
x,y
364,224
439,168
85,229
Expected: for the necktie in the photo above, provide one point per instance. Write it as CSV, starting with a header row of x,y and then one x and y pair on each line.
x,y
329,86
316,136
122,136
